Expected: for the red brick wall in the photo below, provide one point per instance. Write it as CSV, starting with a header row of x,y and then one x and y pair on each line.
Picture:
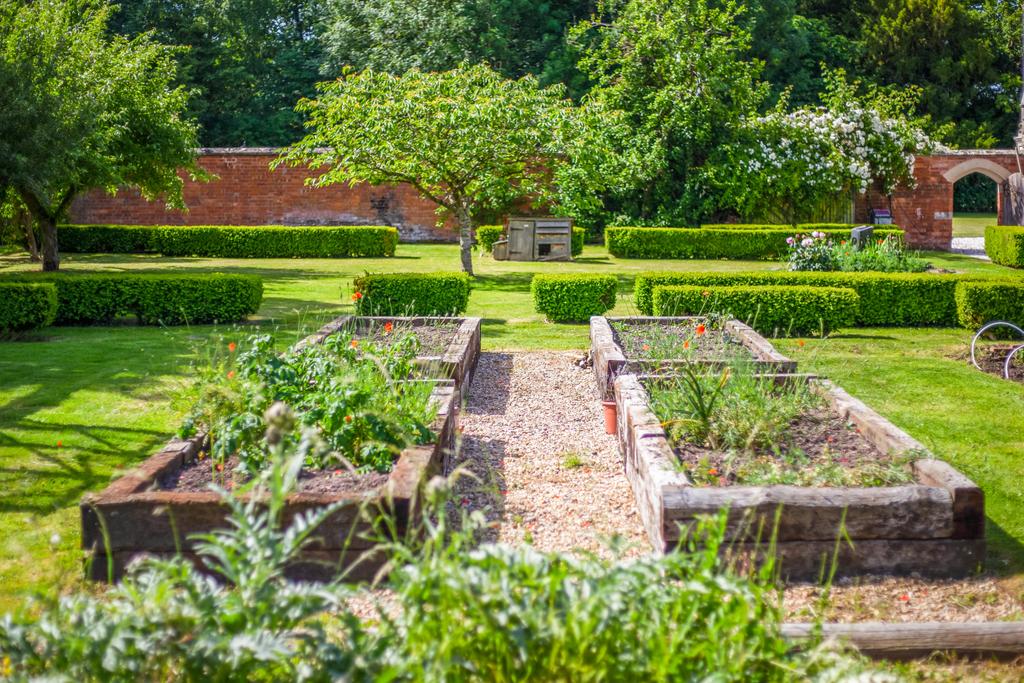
x,y
926,212
248,193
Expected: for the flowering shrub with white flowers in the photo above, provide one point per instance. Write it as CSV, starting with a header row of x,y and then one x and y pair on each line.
x,y
793,161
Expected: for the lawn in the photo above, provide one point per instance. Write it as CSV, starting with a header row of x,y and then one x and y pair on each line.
x,y
77,404
972,224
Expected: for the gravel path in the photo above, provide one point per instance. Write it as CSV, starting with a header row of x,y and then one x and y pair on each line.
x,y
546,473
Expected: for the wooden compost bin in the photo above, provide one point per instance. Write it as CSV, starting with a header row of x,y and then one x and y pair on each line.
x,y
610,360
934,527
457,363
134,517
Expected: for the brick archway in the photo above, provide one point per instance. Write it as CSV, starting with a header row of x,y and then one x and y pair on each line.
x,y
926,212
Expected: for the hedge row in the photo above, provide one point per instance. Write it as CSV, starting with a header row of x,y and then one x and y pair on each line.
x,y
26,306
715,242
980,302
84,299
1004,244
770,309
412,293
232,241
886,299
487,235
573,298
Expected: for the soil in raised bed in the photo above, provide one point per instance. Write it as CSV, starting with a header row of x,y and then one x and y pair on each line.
x,y
434,337
820,449
993,358
197,476
677,340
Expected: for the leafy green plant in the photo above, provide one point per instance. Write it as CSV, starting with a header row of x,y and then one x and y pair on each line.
x,y
186,298
355,395
411,293
1004,244
25,306
232,241
770,309
693,405
573,298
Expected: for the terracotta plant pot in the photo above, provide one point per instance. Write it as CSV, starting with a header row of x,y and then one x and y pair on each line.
x,y
609,416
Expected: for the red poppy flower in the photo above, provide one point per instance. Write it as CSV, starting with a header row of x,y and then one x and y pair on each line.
x,y
701,330
800,343
59,444
388,327
357,296
353,343
231,374
348,418
232,347
646,347
686,344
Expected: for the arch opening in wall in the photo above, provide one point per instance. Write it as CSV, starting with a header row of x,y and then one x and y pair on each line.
x,y
975,203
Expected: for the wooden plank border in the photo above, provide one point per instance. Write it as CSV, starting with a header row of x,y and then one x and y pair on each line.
x,y
915,640
934,526
610,360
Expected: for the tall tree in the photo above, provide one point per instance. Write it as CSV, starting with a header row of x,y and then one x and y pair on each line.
x,y
249,62
678,71
467,139
91,111
515,37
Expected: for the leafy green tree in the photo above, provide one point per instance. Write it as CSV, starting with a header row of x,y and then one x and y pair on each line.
x,y
248,62
516,37
469,140
676,68
89,111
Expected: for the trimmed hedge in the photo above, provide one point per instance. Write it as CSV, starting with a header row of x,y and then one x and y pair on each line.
x,y
771,309
715,242
26,306
1004,244
91,298
573,298
487,235
232,241
412,293
980,302
886,299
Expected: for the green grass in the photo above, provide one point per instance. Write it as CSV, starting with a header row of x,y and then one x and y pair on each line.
x,y
106,393
972,224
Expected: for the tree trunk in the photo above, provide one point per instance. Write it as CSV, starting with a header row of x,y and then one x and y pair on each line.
x,y
24,219
51,258
465,237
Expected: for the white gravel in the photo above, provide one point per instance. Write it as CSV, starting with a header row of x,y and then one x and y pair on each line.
x,y
546,472
970,246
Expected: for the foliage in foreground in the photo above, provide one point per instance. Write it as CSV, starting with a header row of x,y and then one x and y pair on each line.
x,y
456,612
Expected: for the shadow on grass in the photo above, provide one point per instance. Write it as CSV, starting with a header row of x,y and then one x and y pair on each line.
x,y
1005,554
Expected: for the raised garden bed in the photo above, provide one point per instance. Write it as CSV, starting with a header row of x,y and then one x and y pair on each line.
x,y
615,353
932,526
136,515
449,347
156,508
